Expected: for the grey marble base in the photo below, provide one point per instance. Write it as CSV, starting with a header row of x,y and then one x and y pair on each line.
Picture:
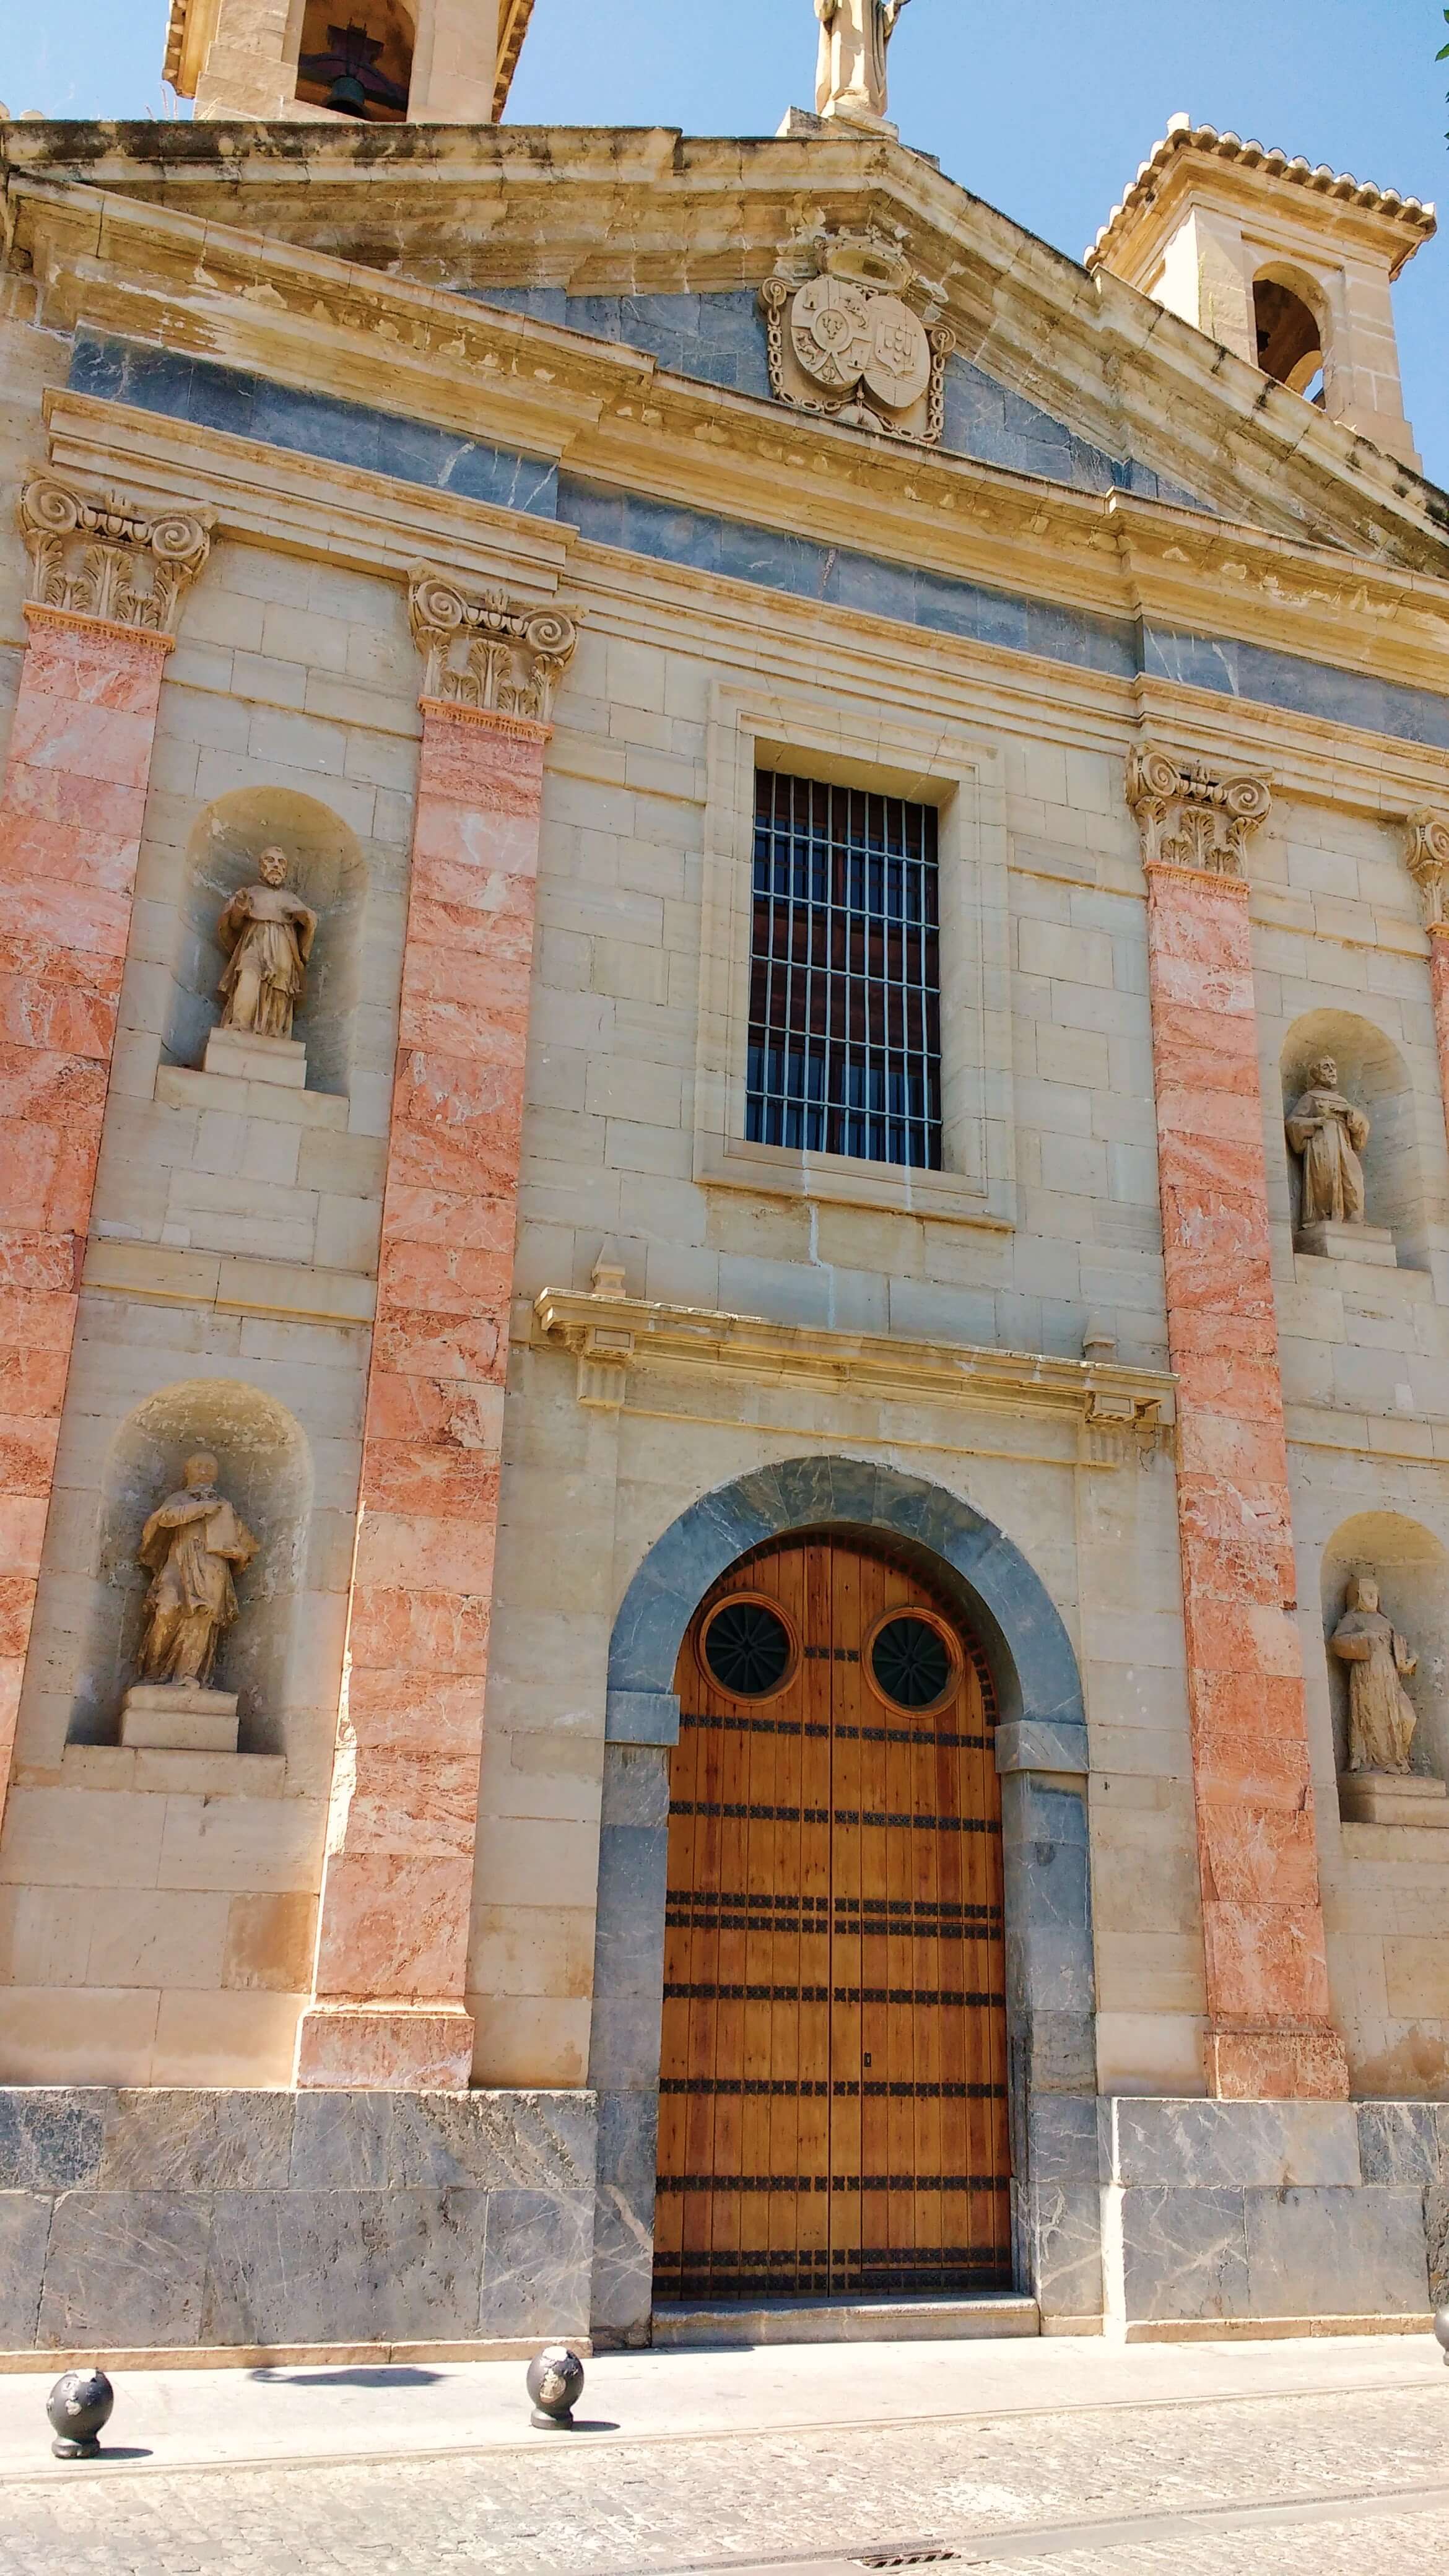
x,y
1229,2214
168,2220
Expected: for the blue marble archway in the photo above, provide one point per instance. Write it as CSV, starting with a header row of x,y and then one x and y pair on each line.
x,y
1042,1756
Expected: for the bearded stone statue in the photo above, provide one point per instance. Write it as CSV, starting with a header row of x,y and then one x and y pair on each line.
x,y
1328,1134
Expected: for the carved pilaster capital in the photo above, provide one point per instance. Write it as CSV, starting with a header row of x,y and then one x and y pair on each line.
x,y
1426,850
1190,819
482,649
108,559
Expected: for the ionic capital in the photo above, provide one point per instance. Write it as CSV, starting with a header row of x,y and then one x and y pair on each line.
x,y
1426,850
109,559
1190,819
487,651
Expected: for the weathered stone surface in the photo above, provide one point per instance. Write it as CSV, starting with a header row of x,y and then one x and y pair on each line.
x,y
536,2263
125,2267
344,2266
1191,2145
50,2138
1184,2255
178,2141
25,2218
1334,2252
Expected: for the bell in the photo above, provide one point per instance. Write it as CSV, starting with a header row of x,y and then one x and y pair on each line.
x,y
347,95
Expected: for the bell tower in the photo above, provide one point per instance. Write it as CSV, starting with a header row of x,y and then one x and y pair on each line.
x,y
1289,267
374,62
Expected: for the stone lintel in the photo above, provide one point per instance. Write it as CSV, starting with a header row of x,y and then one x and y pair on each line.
x,y
753,1347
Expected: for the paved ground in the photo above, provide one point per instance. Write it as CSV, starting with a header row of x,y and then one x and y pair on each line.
x,y
1065,2460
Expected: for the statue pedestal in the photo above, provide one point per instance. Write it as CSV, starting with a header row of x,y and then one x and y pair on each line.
x,y
1372,1243
249,1058
1393,1798
178,1717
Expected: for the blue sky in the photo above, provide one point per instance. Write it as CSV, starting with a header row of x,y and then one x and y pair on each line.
x,y
1043,108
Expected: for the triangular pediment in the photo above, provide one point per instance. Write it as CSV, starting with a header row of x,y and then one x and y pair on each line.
x,y
649,241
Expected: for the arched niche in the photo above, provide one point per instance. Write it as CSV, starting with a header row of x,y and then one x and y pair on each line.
x,y
327,870
1411,1568
265,1470
1291,325
356,59
1373,1075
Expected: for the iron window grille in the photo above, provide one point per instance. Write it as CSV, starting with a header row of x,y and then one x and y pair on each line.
x,y
845,985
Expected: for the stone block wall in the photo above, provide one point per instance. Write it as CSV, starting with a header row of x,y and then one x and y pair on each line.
x,y
1224,2217
169,2222
164,1934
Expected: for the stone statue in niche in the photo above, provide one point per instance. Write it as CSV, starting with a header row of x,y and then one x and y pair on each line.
x,y
190,1546
268,933
1382,1717
851,79
1328,1134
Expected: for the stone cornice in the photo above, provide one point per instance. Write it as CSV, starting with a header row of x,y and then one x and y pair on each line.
x,y
345,513
108,562
1198,156
1191,821
609,1335
328,325
485,653
650,211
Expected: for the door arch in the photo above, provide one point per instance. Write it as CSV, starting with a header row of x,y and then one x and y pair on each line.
x,y
833,2096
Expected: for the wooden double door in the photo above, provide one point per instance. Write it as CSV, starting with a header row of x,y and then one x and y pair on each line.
x,y
832,2116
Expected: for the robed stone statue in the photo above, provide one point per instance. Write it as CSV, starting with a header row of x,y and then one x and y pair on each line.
x,y
189,1547
1382,1717
268,933
1329,1135
851,78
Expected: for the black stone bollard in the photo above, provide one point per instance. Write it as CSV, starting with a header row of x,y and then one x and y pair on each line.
x,y
79,2407
1441,2333
555,2383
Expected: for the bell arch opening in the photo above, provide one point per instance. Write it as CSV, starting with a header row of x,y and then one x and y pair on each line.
x,y
1291,340
356,60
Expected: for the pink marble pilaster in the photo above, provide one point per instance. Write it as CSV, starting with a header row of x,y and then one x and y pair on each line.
x,y
388,2008
1269,2029
70,832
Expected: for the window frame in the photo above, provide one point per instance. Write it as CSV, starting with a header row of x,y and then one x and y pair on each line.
x,y
846,743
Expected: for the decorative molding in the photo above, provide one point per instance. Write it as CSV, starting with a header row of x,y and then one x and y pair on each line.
x,y
1183,138
1189,819
109,560
853,334
1427,857
485,651
1124,1411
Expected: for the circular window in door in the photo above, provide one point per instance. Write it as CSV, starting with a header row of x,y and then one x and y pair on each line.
x,y
747,1647
913,1661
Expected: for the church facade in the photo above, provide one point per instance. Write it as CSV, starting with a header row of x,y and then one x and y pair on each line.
x,y
725,996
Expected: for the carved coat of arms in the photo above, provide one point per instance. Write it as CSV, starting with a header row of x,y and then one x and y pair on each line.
x,y
853,334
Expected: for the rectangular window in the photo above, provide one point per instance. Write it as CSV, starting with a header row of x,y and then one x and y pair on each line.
x,y
845,1001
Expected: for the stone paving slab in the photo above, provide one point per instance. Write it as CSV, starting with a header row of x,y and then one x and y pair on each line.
x,y
1292,2483
198,2417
